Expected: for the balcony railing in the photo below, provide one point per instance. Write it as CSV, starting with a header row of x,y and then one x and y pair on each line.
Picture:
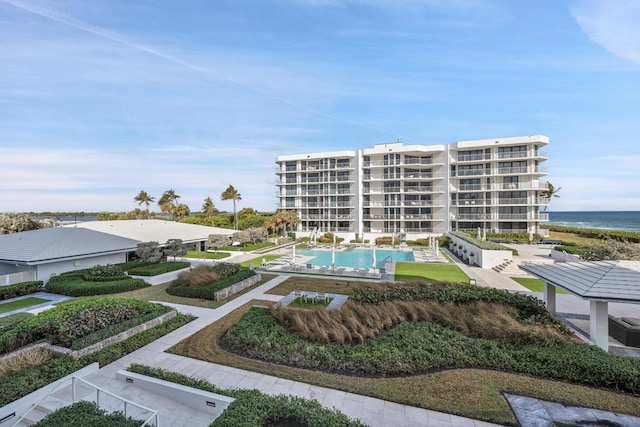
x,y
511,171
518,201
472,157
471,172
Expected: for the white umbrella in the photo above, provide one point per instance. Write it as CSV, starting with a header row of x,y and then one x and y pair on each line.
x,y
373,255
478,233
294,253
334,240
484,234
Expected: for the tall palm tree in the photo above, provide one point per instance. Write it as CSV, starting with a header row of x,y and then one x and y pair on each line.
x,y
208,208
144,197
168,203
549,193
181,210
232,194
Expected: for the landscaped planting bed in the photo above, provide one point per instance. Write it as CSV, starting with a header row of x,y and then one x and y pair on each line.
x,y
381,337
20,289
86,414
23,382
204,281
78,324
253,408
158,268
100,280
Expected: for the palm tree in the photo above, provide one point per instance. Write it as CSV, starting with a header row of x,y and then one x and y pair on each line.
x,y
549,193
168,203
232,194
181,210
208,208
144,197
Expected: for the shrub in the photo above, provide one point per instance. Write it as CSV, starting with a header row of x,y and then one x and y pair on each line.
x,y
33,357
208,291
20,289
483,244
23,382
87,414
159,268
76,287
592,233
199,276
105,273
253,408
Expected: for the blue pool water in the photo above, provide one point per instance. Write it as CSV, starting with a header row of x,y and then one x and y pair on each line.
x,y
358,258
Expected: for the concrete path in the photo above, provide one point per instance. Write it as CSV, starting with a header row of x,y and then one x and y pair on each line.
x,y
374,412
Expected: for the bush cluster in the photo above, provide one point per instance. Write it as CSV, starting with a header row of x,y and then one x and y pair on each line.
x,y
483,244
195,283
23,382
421,347
629,236
85,413
20,289
105,273
66,323
253,408
158,268
73,283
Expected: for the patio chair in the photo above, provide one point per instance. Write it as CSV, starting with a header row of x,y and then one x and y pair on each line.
x,y
363,271
298,294
323,269
310,296
321,296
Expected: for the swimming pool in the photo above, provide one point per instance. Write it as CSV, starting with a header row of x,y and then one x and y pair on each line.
x,y
358,258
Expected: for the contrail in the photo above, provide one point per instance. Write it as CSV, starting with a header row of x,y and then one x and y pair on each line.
x,y
118,38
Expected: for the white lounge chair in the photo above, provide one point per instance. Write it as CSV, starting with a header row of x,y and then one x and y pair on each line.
x,y
321,296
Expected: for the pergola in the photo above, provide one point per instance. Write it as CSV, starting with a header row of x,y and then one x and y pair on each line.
x,y
599,282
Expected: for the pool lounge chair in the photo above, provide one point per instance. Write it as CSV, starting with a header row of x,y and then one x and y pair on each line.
x,y
298,294
310,296
321,296
363,271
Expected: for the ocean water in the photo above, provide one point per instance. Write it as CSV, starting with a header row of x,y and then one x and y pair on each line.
x,y
614,220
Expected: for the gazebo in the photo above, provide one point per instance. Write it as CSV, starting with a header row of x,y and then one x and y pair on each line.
x,y
599,282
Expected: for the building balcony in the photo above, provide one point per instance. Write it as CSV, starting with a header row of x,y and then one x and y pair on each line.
x,y
470,202
513,171
472,158
471,172
518,201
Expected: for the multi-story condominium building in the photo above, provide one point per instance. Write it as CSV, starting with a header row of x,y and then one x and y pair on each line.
x,y
418,190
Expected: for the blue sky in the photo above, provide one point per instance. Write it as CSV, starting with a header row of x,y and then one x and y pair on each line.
x,y
99,100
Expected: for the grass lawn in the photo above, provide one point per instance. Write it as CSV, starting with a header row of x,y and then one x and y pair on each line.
x,y
535,285
257,262
474,393
316,284
157,293
12,319
570,237
412,271
207,255
21,303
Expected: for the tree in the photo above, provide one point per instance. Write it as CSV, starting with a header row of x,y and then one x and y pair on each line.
x,y
250,221
258,234
174,248
181,210
282,221
168,202
17,222
232,194
245,212
144,197
208,208
549,193
149,251
243,237
216,241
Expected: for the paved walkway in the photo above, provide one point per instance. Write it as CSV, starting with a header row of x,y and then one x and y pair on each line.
x,y
374,412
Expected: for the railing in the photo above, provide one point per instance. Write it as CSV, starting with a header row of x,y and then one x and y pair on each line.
x,y
152,420
509,171
19,277
469,202
471,172
472,157
519,201
513,155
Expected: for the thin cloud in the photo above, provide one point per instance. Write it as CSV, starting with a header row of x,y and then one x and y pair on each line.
x,y
611,24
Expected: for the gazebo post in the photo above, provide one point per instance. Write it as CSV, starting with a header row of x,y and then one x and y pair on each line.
x,y
599,323
549,293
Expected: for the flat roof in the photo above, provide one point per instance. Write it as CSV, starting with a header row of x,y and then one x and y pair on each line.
x,y
596,280
154,230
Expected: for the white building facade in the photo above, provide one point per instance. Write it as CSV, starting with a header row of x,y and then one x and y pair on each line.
x,y
416,191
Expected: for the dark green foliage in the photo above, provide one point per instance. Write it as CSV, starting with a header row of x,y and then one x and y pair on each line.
x,y
161,268
483,244
208,291
629,236
20,289
105,273
7,322
66,323
570,249
86,414
77,287
23,382
528,306
420,347
225,269
253,408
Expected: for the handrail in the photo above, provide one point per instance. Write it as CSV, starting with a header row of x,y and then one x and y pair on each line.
x,y
153,417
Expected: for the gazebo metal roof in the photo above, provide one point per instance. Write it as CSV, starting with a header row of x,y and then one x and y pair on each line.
x,y
616,281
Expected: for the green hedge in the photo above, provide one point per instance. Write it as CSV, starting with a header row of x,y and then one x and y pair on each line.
x,y
570,249
594,233
209,291
161,268
253,408
23,382
86,414
247,247
20,289
483,244
68,322
421,347
73,284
